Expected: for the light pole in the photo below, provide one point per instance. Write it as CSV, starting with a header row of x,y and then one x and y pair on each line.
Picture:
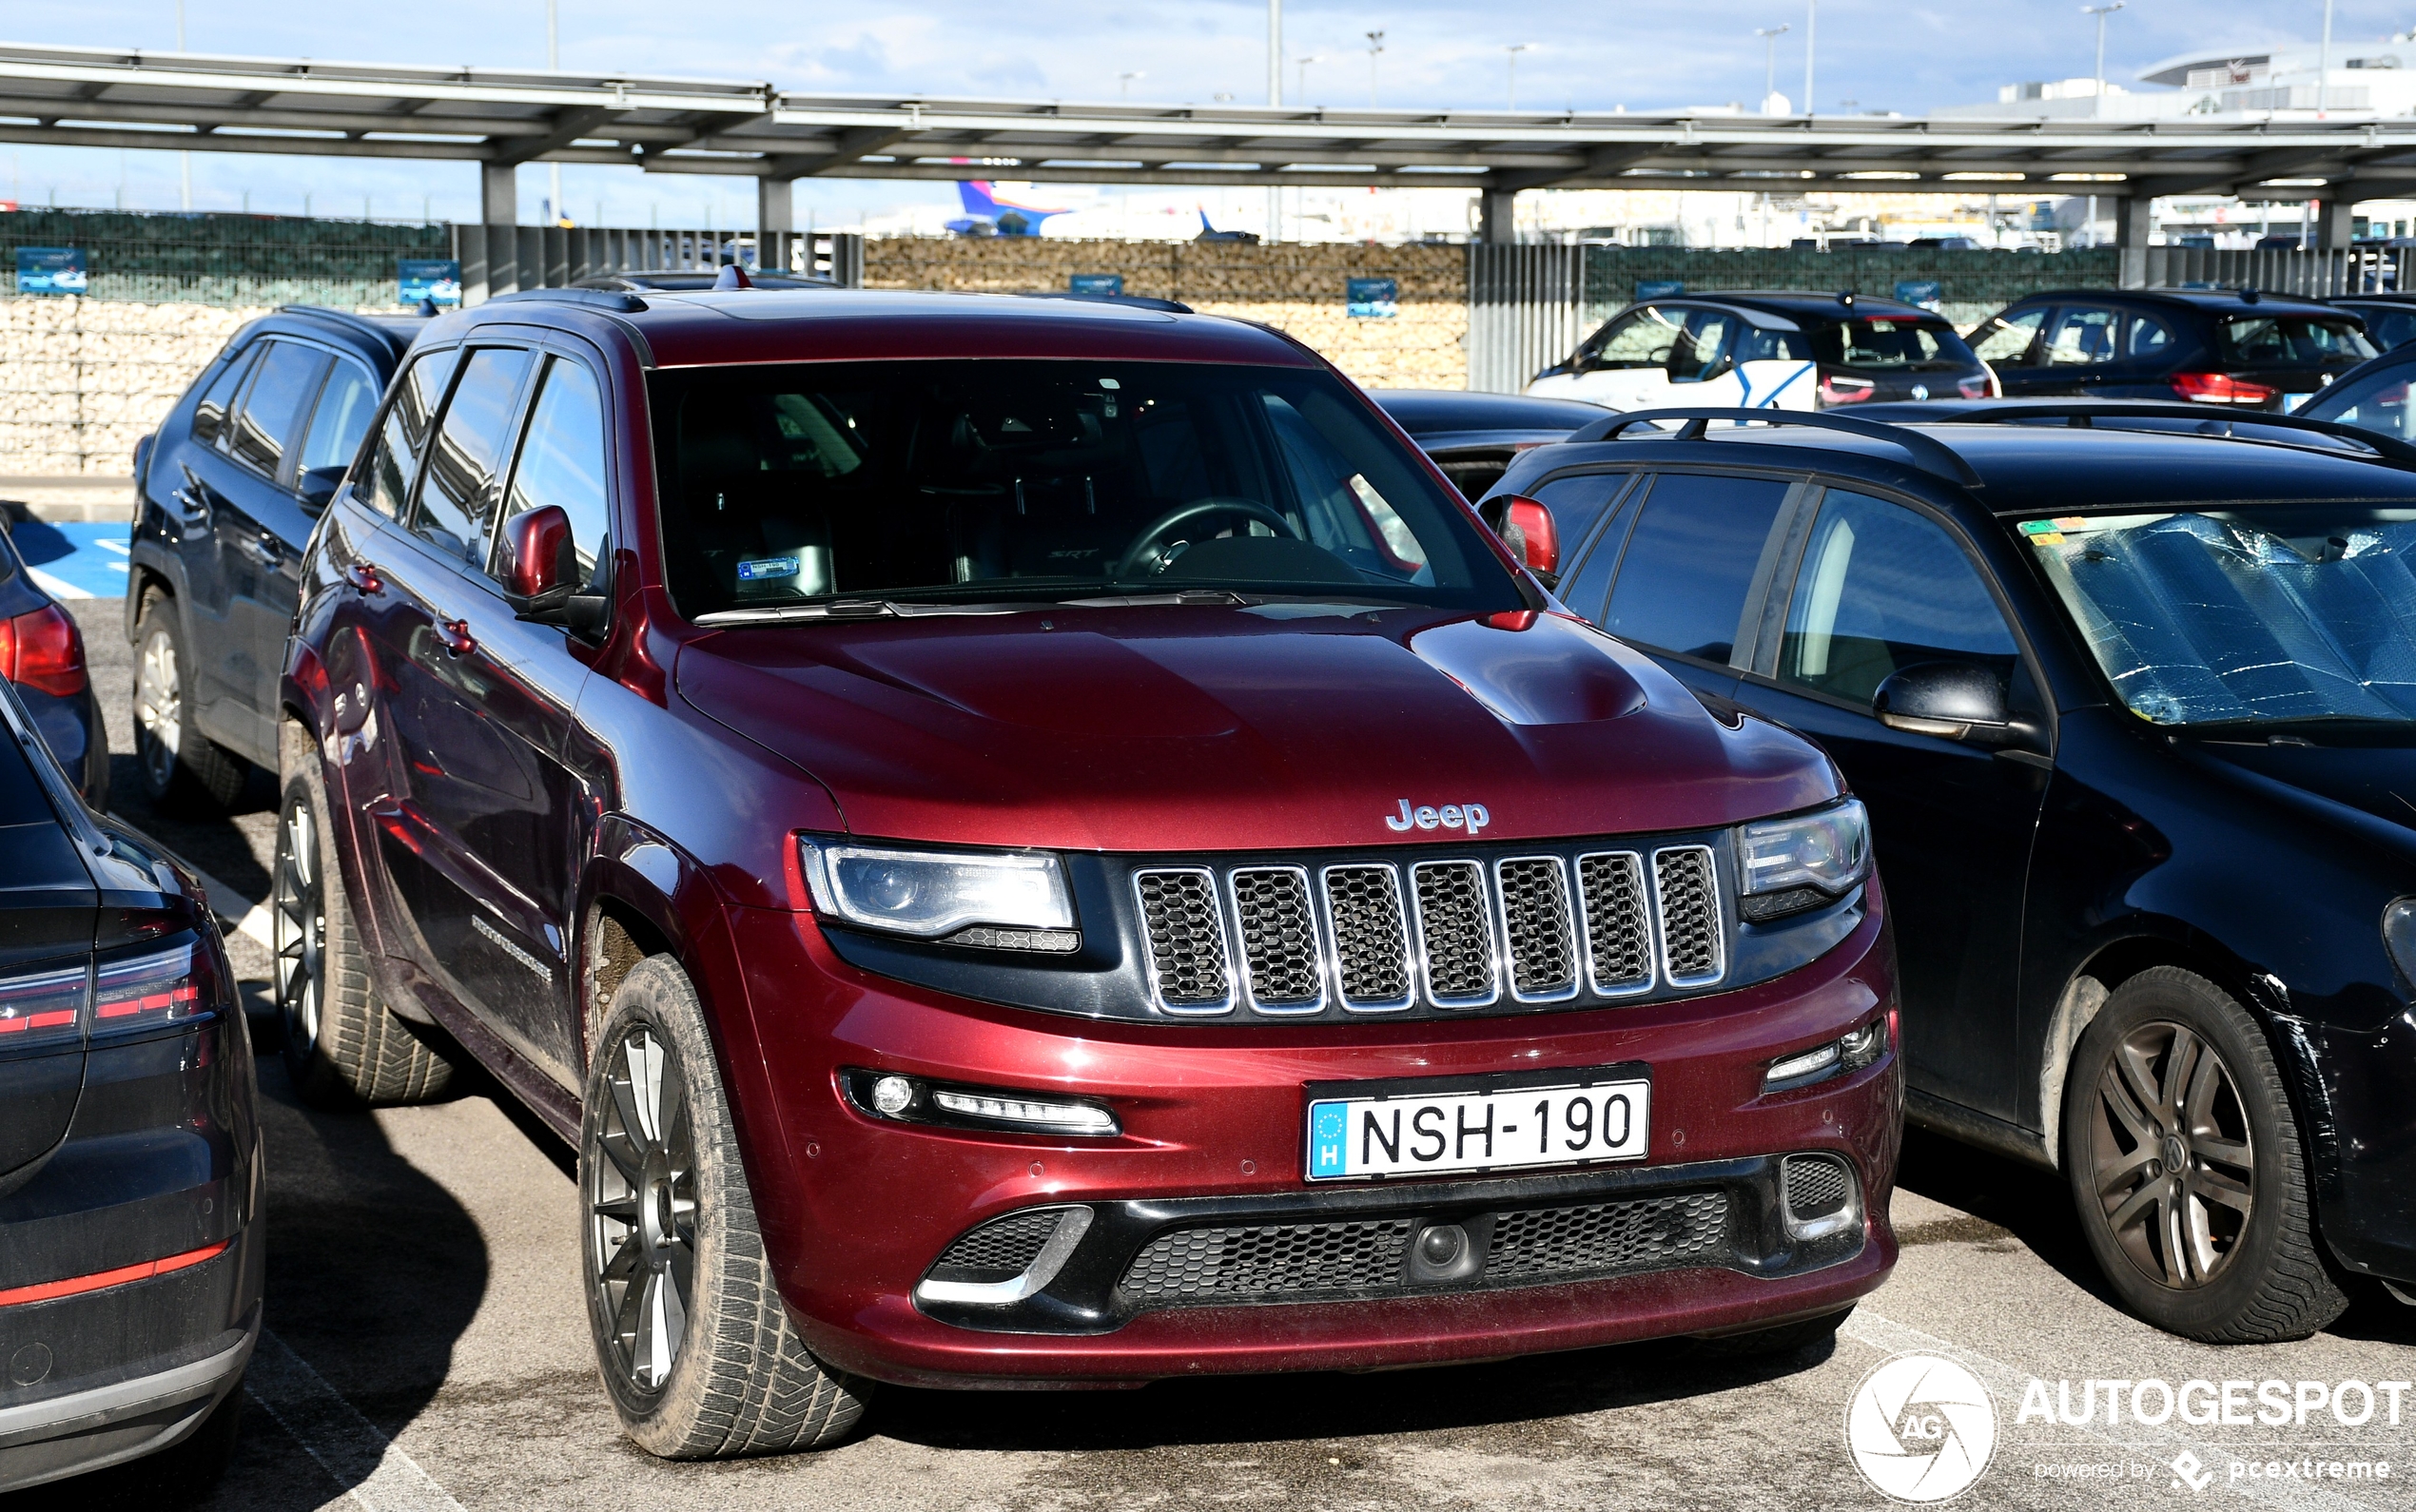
x,y
2097,104
1124,83
2324,63
554,61
1275,97
183,160
1515,50
1769,36
1302,94
1811,36
1375,45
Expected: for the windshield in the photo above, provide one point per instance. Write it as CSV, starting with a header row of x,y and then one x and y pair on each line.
x,y
1891,341
2260,616
979,480
2292,341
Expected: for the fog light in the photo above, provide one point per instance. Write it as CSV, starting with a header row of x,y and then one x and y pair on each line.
x,y
893,1094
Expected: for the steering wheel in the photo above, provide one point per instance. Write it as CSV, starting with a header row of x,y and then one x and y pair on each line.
x,y
1149,543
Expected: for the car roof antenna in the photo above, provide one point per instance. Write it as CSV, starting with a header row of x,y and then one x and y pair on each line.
x,y
2248,296
732,276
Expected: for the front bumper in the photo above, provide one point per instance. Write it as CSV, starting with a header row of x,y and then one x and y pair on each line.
x,y
856,1210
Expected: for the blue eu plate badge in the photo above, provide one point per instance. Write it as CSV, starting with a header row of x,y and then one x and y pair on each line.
x,y
1327,1122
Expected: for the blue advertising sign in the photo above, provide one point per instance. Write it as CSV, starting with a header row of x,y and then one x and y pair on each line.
x,y
1373,298
1096,283
1659,289
1927,293
50,270
434,280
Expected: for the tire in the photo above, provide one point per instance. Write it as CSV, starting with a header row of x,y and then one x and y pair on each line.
x,y
344,1048
666,1225
184,772
2185,1164
1787,1338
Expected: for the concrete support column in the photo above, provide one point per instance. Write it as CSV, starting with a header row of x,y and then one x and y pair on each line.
x,y
2334,228
499,193
2131,214
1496,217
775,217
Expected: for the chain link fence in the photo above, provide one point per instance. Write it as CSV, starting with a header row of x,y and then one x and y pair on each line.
x,y
246,260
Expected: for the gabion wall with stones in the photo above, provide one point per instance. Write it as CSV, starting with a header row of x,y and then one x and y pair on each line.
x,y
84,378
1298,288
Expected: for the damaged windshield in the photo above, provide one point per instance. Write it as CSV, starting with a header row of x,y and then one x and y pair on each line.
x,y
2256,615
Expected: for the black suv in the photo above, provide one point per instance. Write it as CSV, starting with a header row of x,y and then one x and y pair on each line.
x,y
2243,348
2131,712
227,492
130,1258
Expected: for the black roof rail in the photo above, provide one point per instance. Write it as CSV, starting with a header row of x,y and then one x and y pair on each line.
x,y
1139,301
2082,413
1928,454
612,301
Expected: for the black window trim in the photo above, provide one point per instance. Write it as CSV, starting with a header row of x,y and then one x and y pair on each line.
x,y
558,348
1780,593
409,520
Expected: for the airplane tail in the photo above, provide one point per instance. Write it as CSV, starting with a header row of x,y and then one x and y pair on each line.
x,y
977,198
1205,228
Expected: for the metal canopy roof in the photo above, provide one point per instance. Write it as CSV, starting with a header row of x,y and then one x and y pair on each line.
x,y
97,97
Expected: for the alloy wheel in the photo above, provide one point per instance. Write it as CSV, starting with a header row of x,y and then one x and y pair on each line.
x,y
158,709
299,925
2171,1154
642,1212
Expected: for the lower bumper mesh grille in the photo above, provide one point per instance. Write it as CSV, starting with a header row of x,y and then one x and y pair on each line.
x,y
1285,1262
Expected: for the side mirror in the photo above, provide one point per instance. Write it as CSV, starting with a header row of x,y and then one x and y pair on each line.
x,y
1950,700
540,568
1532,537
318,484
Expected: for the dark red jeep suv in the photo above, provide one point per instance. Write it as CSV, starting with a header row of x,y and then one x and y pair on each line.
x,y
1035,842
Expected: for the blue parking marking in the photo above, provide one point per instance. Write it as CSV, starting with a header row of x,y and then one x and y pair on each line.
x,y
75,560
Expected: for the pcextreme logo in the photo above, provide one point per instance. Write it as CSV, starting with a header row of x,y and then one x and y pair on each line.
x,y
1920,1429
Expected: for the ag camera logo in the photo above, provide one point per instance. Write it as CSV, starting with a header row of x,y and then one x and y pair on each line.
x,y
1920,1429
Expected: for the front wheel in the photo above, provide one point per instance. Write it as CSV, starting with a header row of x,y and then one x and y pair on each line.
x,y
697,1348
2185,1164
184,772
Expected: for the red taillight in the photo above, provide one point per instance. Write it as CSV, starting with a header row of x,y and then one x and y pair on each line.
x,y
1976,388
1529,532
42,649
43,1006
2220,388
1838,389
147,990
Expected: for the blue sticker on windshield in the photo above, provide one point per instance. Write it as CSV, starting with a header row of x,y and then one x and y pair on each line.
x,y
764,567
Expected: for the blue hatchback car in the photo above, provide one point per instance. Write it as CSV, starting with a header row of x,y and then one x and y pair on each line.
x,y
227,490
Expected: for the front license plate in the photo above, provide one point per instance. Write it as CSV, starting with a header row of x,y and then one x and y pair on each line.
x,y
1579,1117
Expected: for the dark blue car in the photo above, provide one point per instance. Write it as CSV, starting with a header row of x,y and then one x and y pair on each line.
x,y
42,656
228,490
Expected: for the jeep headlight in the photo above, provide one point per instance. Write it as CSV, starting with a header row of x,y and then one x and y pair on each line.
x,y
1802,861
1001,900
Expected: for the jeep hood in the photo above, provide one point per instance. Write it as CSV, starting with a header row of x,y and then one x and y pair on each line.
x,y
1162,728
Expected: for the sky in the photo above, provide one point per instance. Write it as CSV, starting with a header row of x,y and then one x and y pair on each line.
x,y
1906,55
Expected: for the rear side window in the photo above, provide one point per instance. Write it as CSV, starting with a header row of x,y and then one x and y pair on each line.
x,y
2083,336
1890,341
1881,589
2148,337
272,407
456,499
562,460
2287,340
209,417
404,435
2006,340
1690,563
341,418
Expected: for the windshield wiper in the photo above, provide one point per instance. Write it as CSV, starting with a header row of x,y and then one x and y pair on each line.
x,y
1199,596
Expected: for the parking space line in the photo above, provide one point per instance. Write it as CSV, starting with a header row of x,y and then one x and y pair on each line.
x,y
1891,1337
57,587
233,909
363,1460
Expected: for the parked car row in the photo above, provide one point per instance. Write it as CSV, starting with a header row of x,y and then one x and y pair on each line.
x,y
1053,832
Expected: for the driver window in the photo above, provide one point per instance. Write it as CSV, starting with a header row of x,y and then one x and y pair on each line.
x,y
2083,337
1643,337
1882,589
1701,352
2006,340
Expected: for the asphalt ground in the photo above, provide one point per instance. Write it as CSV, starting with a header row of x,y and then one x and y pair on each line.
x,y
427,1348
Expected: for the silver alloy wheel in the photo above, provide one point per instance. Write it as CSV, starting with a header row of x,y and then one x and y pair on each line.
x,y
299,925
158,709
642,1212
2173,1161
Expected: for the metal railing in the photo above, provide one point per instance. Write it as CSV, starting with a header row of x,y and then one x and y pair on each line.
x,y
507,259
2277,270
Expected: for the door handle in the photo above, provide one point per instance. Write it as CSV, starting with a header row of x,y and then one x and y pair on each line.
x,y
363,577
456,635
265,547
193,509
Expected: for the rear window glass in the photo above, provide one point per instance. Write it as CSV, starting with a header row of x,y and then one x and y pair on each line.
x,y
2290,341
22,801
1890,341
